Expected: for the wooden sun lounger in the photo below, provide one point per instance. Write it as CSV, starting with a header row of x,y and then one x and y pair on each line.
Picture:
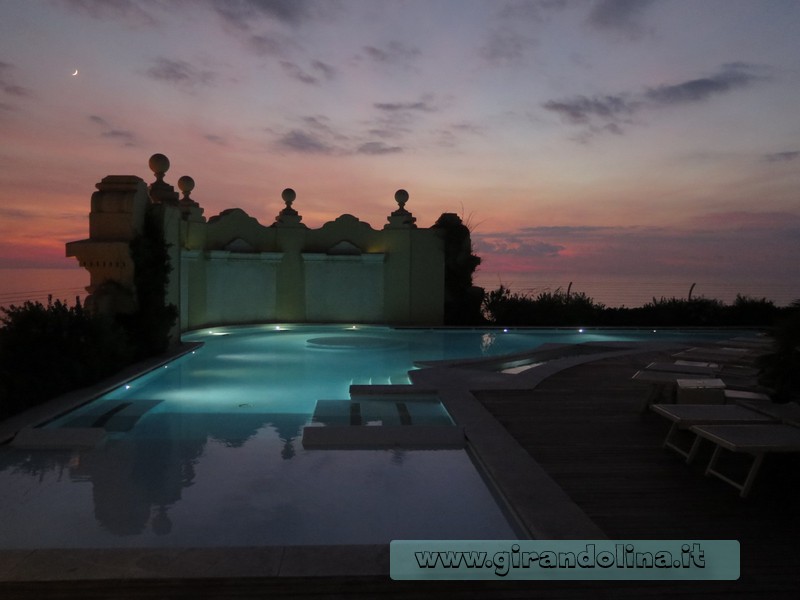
x,y
757,344
755,439
685,416
788,413
662,385
718,355
676,367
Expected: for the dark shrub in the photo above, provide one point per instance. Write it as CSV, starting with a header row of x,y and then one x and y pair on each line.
x,y
49,350
462,300
504,307
780,370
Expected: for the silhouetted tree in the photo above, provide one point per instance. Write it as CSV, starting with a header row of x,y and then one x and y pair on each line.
x,y
780,369
149,327
462,300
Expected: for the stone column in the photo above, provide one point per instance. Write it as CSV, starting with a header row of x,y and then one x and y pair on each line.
x,y
117,216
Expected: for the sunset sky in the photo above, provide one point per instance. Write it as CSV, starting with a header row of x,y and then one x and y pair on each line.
x,y
580,138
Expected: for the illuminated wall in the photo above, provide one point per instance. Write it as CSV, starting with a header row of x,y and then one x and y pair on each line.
x,y
232,269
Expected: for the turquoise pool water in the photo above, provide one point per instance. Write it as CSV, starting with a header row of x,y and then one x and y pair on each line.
x,y
207,450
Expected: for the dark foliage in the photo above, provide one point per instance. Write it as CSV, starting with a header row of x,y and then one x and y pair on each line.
x,y
49,350
149,327
780,370
462,301
504,307
559,308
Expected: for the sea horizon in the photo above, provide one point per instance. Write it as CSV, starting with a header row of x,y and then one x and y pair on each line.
x,y
18,285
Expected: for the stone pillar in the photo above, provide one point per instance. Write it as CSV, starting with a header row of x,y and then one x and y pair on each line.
x,y
117,216
290,239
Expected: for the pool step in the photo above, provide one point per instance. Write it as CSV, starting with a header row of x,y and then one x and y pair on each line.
x,y
392,411
117,416
396,379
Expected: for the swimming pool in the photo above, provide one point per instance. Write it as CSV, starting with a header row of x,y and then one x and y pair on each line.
x,y
206,451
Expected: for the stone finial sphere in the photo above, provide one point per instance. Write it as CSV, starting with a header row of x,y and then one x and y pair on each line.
x,y
159,164
186,184
401,197
288,195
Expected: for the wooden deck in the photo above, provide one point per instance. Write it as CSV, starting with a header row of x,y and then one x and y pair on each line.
x,y
585,428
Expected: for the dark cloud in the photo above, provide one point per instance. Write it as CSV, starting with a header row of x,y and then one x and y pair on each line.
x,y
324,69
620,16
377,148
453,134
108,10
393,53
532,10
395,120
322,128
566,230
424,105
17,213
125,137
266,44
305,142
268,27
512,37
14,90
582,109
516,245
7,84
180,72
215,139
778,157
319,71
317,135
506,46
242,13
696,90
295,72
387,132
610,113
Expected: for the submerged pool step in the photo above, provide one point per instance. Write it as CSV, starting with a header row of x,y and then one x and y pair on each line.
x,y
118,416
380,412
395,379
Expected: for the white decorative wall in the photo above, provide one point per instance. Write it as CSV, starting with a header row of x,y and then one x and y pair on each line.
x,y
232,269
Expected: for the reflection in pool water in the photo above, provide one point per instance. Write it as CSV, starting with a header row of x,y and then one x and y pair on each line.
x,y
207,451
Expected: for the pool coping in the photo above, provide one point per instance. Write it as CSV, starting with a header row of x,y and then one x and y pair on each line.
x,y
60,405
521,481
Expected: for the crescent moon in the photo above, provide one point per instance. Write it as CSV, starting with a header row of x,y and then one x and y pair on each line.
x,y
75,73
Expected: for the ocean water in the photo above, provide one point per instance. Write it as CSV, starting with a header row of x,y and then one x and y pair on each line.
x,y
19,285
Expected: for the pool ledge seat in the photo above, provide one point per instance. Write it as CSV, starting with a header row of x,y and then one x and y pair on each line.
x,y
66,438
